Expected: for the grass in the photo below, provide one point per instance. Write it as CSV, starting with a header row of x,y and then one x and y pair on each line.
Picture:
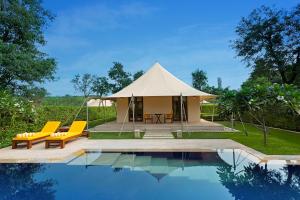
x,y
63,101
279,142
113,135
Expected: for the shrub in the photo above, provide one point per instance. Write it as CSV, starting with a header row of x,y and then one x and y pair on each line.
x,y
18,115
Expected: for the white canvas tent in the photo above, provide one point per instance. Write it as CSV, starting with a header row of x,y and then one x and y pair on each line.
x,y
99,103
157,81
159,92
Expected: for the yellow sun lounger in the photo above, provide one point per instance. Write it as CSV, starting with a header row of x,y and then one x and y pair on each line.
x,y
28,138
75,131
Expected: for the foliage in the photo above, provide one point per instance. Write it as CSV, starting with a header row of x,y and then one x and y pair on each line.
x,y
96,122
100,86
16,114
271,37
66,114
113,135
261,69
22,64
253,181
259,95
280,142
83,83
289,94
227,103
18,181
199,78
281,117
256,100
138,74
63,101
219,83
209,111
119,77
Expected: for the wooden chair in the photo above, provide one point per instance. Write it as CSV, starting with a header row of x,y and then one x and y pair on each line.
x,y
169,117
148,117
29,138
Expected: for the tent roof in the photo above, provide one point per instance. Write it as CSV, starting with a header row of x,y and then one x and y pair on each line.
x,y
157,81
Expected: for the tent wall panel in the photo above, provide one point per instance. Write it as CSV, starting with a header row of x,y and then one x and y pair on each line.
x,y
193,109
122,108
157,105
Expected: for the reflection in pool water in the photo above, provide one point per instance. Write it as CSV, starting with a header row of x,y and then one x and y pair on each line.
x,y
188,175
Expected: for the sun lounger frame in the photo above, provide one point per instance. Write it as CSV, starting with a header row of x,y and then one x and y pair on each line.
x,y
60,142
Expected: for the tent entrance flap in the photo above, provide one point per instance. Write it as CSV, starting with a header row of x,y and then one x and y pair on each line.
x,y
138,109
176,102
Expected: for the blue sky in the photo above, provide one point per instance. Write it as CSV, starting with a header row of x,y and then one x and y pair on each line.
x,y
87,36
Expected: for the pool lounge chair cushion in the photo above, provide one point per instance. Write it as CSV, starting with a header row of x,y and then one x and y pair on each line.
x,y
50,127
75,131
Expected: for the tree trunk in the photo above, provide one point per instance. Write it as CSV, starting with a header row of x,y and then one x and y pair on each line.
x,y
232,123
265,130
245,131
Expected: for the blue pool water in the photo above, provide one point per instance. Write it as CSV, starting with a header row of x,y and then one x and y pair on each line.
x,y
229,174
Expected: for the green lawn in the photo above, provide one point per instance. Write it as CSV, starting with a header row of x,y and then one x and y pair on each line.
x,y
113,135
278,142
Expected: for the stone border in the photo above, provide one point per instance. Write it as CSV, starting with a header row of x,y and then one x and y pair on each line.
x,y
75,148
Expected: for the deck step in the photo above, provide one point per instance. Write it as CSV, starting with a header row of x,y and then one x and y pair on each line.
x,y
124,160
106,159
158,134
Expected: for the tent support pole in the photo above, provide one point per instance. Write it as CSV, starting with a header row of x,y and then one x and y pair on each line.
x,y
181,116
87,114
212,117
200,106
126,115
133,109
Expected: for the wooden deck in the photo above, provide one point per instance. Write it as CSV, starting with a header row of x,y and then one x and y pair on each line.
x,y
203,125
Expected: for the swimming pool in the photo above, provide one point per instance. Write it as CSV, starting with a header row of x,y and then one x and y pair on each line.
x,y
222,174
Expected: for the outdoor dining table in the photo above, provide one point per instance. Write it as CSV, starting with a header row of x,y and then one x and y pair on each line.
x,y
158,115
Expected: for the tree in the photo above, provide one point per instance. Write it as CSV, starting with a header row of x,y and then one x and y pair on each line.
x,y
119,77
258,96
219,83
138,74
83,84
271,36
253,181
101,86
22,63
199,79
18,182
261,69
35,94
229,106
289,95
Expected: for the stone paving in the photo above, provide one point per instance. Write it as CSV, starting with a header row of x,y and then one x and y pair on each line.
x,y
74,148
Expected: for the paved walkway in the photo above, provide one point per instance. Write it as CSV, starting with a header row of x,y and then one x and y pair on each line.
x,y
39,154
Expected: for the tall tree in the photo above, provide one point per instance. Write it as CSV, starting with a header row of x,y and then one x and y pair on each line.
x,y
199,79
219,83
272,36
22,63
83,83
137,74
101,86
119,77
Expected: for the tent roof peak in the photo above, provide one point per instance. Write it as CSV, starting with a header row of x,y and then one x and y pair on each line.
x,y
158,81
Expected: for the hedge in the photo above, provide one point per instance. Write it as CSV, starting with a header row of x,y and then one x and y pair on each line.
x,y
279,117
